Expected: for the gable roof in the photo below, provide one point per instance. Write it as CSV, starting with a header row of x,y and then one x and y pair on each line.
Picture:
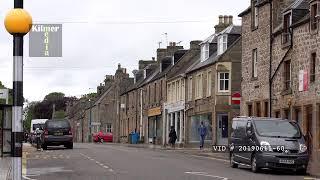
x,y
298,4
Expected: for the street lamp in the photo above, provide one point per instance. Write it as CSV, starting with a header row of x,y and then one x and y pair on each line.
x,y
18,23
90,120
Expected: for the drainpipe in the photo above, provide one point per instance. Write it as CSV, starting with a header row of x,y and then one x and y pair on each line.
x,y
270,62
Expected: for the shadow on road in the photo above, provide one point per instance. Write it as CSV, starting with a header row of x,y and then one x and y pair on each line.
x,y
272,171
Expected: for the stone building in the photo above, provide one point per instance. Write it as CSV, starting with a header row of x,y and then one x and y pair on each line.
x,y
211,82
173,108
280,63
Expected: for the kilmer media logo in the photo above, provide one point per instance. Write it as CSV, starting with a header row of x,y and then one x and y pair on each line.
x,y
45,40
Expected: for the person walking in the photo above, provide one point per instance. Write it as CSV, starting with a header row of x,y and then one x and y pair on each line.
x,y
172,137
203,133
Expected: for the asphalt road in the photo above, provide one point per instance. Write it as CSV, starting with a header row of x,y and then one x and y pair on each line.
x,y
115,162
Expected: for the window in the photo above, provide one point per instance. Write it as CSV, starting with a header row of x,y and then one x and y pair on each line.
x,y
149,93
208,83
314,15
287,74
160,89
313,67
222,44
174,91
169,92
182,90
254,63
109,128
190,89
178,91
155,93
255,15
223,82
199,88
287,21
204,52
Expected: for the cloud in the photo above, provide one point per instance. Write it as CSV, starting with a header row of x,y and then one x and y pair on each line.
x,y
99,34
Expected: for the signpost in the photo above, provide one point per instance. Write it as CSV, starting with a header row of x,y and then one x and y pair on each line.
x,y
4,94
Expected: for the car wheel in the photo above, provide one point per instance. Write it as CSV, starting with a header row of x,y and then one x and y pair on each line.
x,y
254,166
232,163
70,146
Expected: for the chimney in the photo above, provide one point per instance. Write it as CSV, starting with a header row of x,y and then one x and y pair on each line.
x,y
224,22
134,72
195,45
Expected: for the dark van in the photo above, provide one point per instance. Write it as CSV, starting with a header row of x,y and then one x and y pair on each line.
x,y
57,132
268,143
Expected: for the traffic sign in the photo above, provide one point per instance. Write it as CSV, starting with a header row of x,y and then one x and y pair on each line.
x,y
236,98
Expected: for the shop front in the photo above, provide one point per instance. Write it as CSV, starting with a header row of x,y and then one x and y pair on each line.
x,y
195,122
174,117
154,125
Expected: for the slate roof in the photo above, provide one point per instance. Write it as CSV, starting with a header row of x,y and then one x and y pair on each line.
x,y
232,29
211,39
298,4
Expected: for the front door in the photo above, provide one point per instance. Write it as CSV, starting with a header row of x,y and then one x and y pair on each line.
x,y
222,129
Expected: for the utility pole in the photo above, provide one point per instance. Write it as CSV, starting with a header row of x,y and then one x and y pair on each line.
x,y
18,23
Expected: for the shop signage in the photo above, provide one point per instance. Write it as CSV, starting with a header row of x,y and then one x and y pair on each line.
x,y
154,111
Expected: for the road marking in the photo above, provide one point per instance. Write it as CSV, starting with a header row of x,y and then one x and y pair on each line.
x,y
206,174
106,167
27,178
24,164
217,159
111,170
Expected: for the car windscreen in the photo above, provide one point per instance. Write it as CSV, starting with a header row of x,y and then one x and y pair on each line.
x,y
272,128
58,124
35,126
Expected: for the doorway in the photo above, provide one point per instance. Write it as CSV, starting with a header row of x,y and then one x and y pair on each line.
x,y
222,129
309,111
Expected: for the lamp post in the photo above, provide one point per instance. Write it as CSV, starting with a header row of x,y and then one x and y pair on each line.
x,y
18,23
90,121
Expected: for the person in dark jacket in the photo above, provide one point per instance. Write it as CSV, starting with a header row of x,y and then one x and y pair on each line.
x,y
172,137
203,133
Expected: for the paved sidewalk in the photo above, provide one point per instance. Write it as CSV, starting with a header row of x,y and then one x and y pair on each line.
x,y
5,168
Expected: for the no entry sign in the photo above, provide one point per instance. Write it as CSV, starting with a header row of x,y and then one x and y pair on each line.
x,y
235,98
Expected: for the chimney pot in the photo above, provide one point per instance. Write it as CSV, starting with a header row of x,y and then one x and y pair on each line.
x,y
220,19
230,19
226,19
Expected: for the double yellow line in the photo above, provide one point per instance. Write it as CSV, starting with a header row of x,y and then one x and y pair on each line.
x,y
24,164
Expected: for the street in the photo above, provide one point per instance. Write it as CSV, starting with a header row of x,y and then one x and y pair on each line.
x,y
117,162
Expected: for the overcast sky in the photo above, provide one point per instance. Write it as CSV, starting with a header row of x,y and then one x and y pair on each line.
x,y
99,34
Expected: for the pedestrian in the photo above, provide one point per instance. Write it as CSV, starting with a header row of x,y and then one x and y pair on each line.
x,y
203,133
100,137
172,137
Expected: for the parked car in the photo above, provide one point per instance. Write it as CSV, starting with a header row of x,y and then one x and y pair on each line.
x,y
104,137
57,132
268,143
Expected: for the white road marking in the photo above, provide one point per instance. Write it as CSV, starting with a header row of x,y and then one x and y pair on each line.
x,y
111,170
106,167
206,174
27,178
217,159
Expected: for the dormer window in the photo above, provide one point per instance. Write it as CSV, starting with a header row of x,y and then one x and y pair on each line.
x,y
314,15
287,21
204,52
222,44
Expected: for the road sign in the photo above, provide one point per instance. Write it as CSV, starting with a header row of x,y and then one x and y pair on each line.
x,y
4,94
236,98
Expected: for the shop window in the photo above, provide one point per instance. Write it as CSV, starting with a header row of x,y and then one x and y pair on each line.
x,y
195,124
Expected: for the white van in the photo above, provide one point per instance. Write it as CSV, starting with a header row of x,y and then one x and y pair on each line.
x,y
36,123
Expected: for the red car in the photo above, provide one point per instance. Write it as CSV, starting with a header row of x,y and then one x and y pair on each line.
x,y
104,137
